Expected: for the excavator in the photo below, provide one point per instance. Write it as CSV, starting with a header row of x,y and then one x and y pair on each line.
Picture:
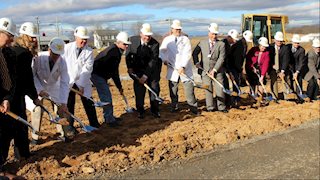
x,y
264,25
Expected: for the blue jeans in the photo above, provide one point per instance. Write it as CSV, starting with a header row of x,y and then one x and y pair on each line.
x,y
105,96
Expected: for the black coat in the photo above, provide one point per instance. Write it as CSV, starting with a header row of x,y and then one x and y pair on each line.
x,y
284,57
235,55
11,59
107,65
298,60
144,59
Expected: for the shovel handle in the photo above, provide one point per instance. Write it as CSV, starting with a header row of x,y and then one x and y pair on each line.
x,y
13,115
76,91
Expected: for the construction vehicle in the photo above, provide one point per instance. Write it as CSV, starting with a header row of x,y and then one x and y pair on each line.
x,y
264,25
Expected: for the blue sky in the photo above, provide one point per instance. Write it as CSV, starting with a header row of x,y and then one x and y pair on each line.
x,y
128,14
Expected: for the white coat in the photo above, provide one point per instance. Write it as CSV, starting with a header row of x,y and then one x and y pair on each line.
x,y
79,68
56,82
177,54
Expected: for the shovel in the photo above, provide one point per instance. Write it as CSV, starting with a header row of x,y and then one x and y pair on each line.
x,y
84,127
289,92
233,82
95,103
25,122
300,94
149,88
227,91
252,94
268,98
128,108
55,120
205,87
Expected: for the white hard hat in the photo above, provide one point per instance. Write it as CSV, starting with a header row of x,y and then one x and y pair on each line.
x,y
248,36
278,36
296,38
233,34
146,29
263,42
316,43
8,26
28,28
213,28
56,45
176,24
81,32
123,37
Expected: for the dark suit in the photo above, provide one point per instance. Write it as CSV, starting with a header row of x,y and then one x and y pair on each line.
x,y
284,59
144,60
313,74
298,63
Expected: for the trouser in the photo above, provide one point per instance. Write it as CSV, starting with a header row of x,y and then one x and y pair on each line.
x,y
274,82
36,118
189,93
219,103
88,106
299,78
105,96
20,131
6,135
312,88
140,92
237,79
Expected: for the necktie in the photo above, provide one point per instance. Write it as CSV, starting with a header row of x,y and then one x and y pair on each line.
x,y
5,76
276,59
51,64
176,40
211,46
79,51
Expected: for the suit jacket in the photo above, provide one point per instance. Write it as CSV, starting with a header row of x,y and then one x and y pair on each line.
x,y
79,68
252,60
313,65
144,59
202,48
178,54
11,59
54,82
217,58
284,57
106,64
298,59
236,54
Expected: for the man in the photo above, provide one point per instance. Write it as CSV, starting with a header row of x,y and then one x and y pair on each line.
x,y
79,59
51,80
176,51
313,75
106,66
213,56
297,61
142,58
279,62
7,88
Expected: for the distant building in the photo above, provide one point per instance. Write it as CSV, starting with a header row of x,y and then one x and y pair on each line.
x,y
105,37
44,41
310,37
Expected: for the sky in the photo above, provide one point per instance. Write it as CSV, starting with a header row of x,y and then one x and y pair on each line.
x,y
128,15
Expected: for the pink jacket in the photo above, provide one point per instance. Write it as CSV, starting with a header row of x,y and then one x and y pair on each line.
x,y
252,58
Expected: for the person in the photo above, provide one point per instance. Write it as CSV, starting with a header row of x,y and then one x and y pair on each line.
x,y
279,62
313,74
257,63
213,58
25,46
51,80
7,88
106,66
79,59
176,51
297,61
142,59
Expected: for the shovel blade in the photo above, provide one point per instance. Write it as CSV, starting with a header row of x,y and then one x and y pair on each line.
x,y
62,121
227,91
101,104
89,128
129,110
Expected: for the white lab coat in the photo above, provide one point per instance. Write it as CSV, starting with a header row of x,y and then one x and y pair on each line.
x,y
79,68
177,54
56,82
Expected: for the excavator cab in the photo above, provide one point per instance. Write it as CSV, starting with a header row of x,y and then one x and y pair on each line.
x,y
264,25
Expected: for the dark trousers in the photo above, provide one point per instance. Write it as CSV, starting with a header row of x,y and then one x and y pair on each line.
x,y
88,106
312,89
5,137
140,92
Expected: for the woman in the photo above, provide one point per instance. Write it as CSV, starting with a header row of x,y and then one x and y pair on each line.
x,y
257,64
25,47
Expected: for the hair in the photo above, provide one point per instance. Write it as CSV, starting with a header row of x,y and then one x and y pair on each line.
x,y
25,41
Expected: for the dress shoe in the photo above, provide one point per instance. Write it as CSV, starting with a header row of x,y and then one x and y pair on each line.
x,y
34,142
210,110
174,109
141,115
156,114
224,111
113,124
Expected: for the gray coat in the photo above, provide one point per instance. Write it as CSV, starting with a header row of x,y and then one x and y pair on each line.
x,y
313,65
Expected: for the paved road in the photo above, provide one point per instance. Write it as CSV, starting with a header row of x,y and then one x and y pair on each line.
x,y
290,154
